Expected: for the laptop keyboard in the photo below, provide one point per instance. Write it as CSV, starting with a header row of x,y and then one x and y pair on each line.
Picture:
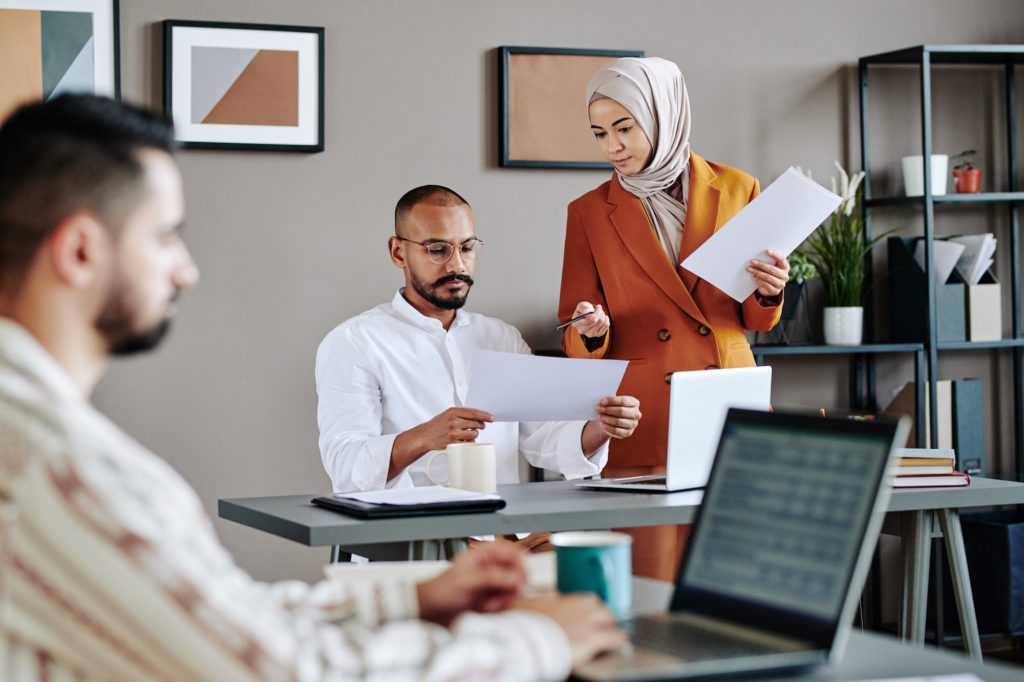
x,y
690,642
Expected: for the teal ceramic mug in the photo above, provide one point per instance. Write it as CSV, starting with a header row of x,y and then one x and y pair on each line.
x,y
599,562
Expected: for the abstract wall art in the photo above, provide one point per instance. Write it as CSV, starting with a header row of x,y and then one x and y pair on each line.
x,y
50,47
245,86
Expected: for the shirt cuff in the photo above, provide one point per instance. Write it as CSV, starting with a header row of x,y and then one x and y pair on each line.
x,y
370,472
572,462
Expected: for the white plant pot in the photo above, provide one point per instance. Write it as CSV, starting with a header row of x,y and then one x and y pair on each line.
x,y
913,174
844,326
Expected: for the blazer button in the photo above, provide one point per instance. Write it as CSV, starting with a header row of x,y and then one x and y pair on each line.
x,y
664,335
712,367
668,378
703,330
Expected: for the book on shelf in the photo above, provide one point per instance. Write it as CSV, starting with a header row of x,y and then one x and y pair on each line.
x,y
957,479
918,470
925,462
920,461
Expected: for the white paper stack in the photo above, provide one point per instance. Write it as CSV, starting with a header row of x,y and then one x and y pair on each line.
x,y
946,256
977,257
426,494
779,218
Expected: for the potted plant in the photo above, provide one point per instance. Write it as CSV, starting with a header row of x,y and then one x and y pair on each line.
x,y
967,177
801,270
838,249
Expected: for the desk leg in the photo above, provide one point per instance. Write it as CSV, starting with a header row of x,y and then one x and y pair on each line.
x,y
437,550
453,546
425,550
916,554
949,520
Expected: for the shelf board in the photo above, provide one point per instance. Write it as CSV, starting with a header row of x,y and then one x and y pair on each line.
x,y
951,54
809,349
959,199
981,345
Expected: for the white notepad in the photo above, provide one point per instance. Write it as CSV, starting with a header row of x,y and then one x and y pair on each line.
x,y
779,218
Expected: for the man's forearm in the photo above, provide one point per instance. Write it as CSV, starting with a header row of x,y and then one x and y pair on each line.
x,y
406,449
593,437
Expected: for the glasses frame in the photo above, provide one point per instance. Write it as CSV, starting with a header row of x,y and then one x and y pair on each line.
x,y
427,244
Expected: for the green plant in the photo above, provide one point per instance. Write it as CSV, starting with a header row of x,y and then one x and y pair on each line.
x,y
966,161
838,248
801,269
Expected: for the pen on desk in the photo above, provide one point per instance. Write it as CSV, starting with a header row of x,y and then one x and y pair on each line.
x,y
575,319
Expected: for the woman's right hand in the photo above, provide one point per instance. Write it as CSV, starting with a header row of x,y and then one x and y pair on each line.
x,y
593,326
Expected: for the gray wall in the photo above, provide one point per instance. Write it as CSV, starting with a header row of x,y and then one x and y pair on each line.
x,y
291,244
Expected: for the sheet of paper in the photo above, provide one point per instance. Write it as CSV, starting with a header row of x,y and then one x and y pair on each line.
x,y
977,257
945,255
524,388
780,218
419,495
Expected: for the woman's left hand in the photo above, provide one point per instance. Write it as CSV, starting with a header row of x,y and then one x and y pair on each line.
x,y
771,279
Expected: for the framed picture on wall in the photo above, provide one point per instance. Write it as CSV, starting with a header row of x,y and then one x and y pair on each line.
x,y
50,47
543,118
245,86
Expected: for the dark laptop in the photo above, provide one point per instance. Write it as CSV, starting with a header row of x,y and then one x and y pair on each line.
x,y
778,553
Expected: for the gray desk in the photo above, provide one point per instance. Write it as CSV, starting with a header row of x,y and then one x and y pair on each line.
x,y
550,506
558,505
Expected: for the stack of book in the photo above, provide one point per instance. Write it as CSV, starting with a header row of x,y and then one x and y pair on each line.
x,y
928,468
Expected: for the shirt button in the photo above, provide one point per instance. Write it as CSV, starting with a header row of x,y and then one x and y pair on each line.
x,y
703,330
664,335
712,367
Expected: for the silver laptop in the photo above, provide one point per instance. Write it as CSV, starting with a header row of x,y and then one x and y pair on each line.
x,y
778,553
698,402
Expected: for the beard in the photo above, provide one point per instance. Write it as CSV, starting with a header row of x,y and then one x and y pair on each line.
x,y
118,327
453,301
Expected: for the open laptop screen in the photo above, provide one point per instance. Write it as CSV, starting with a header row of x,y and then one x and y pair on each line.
x,y
784,515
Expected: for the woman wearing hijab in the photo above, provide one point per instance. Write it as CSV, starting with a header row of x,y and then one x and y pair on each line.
x,y
623,245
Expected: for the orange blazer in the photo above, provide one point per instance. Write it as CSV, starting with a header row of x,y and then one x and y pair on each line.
x,y
664,319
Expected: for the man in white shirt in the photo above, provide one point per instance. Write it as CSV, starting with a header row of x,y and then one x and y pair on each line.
x,y
392,381
109,566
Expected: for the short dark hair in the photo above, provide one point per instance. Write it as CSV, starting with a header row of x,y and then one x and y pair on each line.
x,y
435,195
73,153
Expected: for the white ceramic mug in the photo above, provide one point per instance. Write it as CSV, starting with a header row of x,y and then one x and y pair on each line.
x,y
471,466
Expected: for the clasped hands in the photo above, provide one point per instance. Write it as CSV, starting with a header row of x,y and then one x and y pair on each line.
x,y
490,578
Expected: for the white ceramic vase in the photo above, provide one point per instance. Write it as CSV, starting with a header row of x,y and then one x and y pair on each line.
x,y
844,326
913,174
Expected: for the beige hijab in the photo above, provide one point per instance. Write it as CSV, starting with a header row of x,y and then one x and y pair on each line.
x,y
653,91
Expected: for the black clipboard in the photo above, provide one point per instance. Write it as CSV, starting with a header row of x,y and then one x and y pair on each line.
x,y
369,510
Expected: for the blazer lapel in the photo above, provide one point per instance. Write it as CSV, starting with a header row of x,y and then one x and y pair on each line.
x,y
701,214
630,221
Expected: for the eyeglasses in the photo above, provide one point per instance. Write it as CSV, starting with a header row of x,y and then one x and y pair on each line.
x,y
441,252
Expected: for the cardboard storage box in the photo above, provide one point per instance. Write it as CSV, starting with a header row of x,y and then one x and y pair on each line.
x,y
984,310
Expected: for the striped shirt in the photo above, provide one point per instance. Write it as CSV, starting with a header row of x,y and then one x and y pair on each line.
x,y
110,570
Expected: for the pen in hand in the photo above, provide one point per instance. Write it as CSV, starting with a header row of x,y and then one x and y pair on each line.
x,y
575,319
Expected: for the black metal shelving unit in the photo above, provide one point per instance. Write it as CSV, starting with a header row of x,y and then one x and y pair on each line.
x,y
862,370
924,58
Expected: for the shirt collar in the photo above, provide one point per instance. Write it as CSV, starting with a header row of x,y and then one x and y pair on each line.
x,y
22,351
405,310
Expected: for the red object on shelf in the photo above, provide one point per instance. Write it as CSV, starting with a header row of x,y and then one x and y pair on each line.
x,y
968,180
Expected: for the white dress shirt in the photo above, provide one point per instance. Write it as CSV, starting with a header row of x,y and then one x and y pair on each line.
x,y
110,570
392,368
